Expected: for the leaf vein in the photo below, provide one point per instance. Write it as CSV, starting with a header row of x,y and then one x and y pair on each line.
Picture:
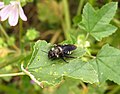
x,y
98,20
109,67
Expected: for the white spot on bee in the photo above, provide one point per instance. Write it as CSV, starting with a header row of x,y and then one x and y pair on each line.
x,y
60,48
52,49
57,55
69,52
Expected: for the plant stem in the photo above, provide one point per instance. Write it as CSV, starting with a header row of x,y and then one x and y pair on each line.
x,y
117,22
81,2
67,14
20,34
12,74
85,40
31,76
3,31
64,29
7,37
54,38
87,36
67,21
85,89
90,56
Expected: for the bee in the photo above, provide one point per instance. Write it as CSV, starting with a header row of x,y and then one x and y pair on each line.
x,y
61,51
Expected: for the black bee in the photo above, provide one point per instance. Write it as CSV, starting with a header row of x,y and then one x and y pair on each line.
x,y
61,51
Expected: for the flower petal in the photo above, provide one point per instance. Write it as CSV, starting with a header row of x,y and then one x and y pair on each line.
x,y
1,5
4,13
13,17
22,14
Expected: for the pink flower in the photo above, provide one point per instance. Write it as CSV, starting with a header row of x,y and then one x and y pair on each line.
x,y
12,12
1,5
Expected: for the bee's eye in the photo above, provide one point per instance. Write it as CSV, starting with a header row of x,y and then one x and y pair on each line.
x,y
50,54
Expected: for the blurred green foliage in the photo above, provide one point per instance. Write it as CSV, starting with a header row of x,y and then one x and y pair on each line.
x,y
32,34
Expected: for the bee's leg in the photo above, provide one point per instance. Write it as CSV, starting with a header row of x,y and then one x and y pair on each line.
x,y
68,56
64,60
53,59
44,51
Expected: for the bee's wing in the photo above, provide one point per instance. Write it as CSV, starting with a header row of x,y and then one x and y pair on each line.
x,y
68,48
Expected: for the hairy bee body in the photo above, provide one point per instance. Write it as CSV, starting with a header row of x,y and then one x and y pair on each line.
x,y
61,51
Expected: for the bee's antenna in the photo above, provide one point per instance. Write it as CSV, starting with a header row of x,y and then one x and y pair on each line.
x,y
44,51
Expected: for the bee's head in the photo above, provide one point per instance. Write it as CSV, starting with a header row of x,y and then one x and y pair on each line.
x,y
51,54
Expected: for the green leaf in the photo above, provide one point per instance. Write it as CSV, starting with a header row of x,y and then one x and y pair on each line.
x,y
107,64
69,85
96,23
77,19
52,71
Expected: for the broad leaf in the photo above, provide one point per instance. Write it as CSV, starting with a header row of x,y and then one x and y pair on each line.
x,y
107,64
69,85
52,71
96,23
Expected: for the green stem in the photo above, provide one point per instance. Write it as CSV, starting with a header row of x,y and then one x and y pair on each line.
x,y
20,34
64,29
85,88
67,22
89,56
85,40
12,74
7,37
117,22
3,31
54,38
81,2
67,14
87,36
